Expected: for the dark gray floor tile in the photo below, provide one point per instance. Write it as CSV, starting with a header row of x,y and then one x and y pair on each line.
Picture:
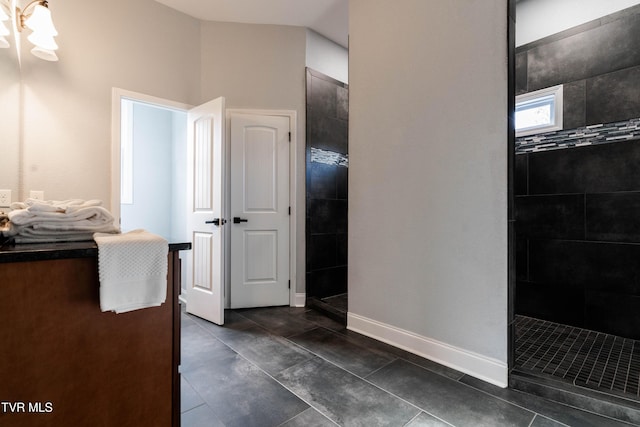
x,y
426,420
202,416
541,421
284,321
339,350
446,399
324,321
198,346
432,366
270,352
310,418
413,358
232,322
552,410
189,398
344,398
185,318
242,395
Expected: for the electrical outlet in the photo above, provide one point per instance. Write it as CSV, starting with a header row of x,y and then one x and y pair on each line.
x,y
37,195
5,198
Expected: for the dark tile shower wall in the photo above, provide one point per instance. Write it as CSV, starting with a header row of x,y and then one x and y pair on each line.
x,y
577,208
593,61
327,185
578,237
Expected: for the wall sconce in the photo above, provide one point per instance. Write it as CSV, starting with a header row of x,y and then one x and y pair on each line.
x,y
36,16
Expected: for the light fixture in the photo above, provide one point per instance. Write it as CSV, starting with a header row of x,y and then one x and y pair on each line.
x,y
36,17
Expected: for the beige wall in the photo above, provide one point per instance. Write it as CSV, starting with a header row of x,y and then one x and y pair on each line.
x,y
428,176
140,46
261,67
9,122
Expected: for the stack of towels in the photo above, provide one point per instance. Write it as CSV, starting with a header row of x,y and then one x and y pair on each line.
x,y
35,221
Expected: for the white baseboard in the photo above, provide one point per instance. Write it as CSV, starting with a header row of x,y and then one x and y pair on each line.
x,y
300,300
485,368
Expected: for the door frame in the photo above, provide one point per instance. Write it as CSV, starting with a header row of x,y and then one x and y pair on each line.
x,y
292,115
511,158
117,95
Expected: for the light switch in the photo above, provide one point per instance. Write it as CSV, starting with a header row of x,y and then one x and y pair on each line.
x,y
5,198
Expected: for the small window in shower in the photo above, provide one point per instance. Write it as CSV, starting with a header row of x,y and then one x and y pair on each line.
x,y
539,111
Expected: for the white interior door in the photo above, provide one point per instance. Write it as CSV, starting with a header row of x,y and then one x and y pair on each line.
x,y
259,212
205,265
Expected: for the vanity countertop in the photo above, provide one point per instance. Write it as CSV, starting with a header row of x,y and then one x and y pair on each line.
x,y
48,251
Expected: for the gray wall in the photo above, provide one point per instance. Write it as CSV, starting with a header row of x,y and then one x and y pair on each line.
x,y
540,18
428,169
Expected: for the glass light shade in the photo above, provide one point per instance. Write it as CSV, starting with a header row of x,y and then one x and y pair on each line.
x,y
3,14
43,41
40,21
3,43
46,54
4,31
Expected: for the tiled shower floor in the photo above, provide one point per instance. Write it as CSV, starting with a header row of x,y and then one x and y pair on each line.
x,y
589,359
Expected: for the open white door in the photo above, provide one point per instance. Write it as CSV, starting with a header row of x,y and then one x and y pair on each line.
x,y
260,210
205,265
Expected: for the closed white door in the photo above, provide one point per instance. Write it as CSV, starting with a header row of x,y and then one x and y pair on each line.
x,y
259,210
206,195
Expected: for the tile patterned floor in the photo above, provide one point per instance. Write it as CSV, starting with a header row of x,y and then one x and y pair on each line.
x,y
294,367
579,356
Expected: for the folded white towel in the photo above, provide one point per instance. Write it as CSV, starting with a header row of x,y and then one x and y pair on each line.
x,y
77,212
58,221
132,268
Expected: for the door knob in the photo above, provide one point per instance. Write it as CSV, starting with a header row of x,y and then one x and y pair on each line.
x,y
238,220
216,221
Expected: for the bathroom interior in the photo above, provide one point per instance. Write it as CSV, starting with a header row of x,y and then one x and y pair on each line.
x,y
577,210
577,195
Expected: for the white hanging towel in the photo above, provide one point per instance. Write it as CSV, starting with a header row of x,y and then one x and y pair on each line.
x,y
132,268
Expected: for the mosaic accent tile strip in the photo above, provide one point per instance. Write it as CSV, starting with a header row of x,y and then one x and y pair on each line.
x,y
585,358
329,157
588,135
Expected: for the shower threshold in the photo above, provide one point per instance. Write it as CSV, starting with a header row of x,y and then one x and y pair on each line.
x,y
578,366
334,306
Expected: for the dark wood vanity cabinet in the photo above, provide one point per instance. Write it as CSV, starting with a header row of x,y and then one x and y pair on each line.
x,y
63,362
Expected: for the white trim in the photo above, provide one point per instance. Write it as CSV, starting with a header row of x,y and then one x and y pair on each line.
x,y
300,300
485,368
293,180
117,95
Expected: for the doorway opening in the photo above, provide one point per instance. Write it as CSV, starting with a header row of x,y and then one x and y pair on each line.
x,y
152,181
574,337
148,159
327,192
